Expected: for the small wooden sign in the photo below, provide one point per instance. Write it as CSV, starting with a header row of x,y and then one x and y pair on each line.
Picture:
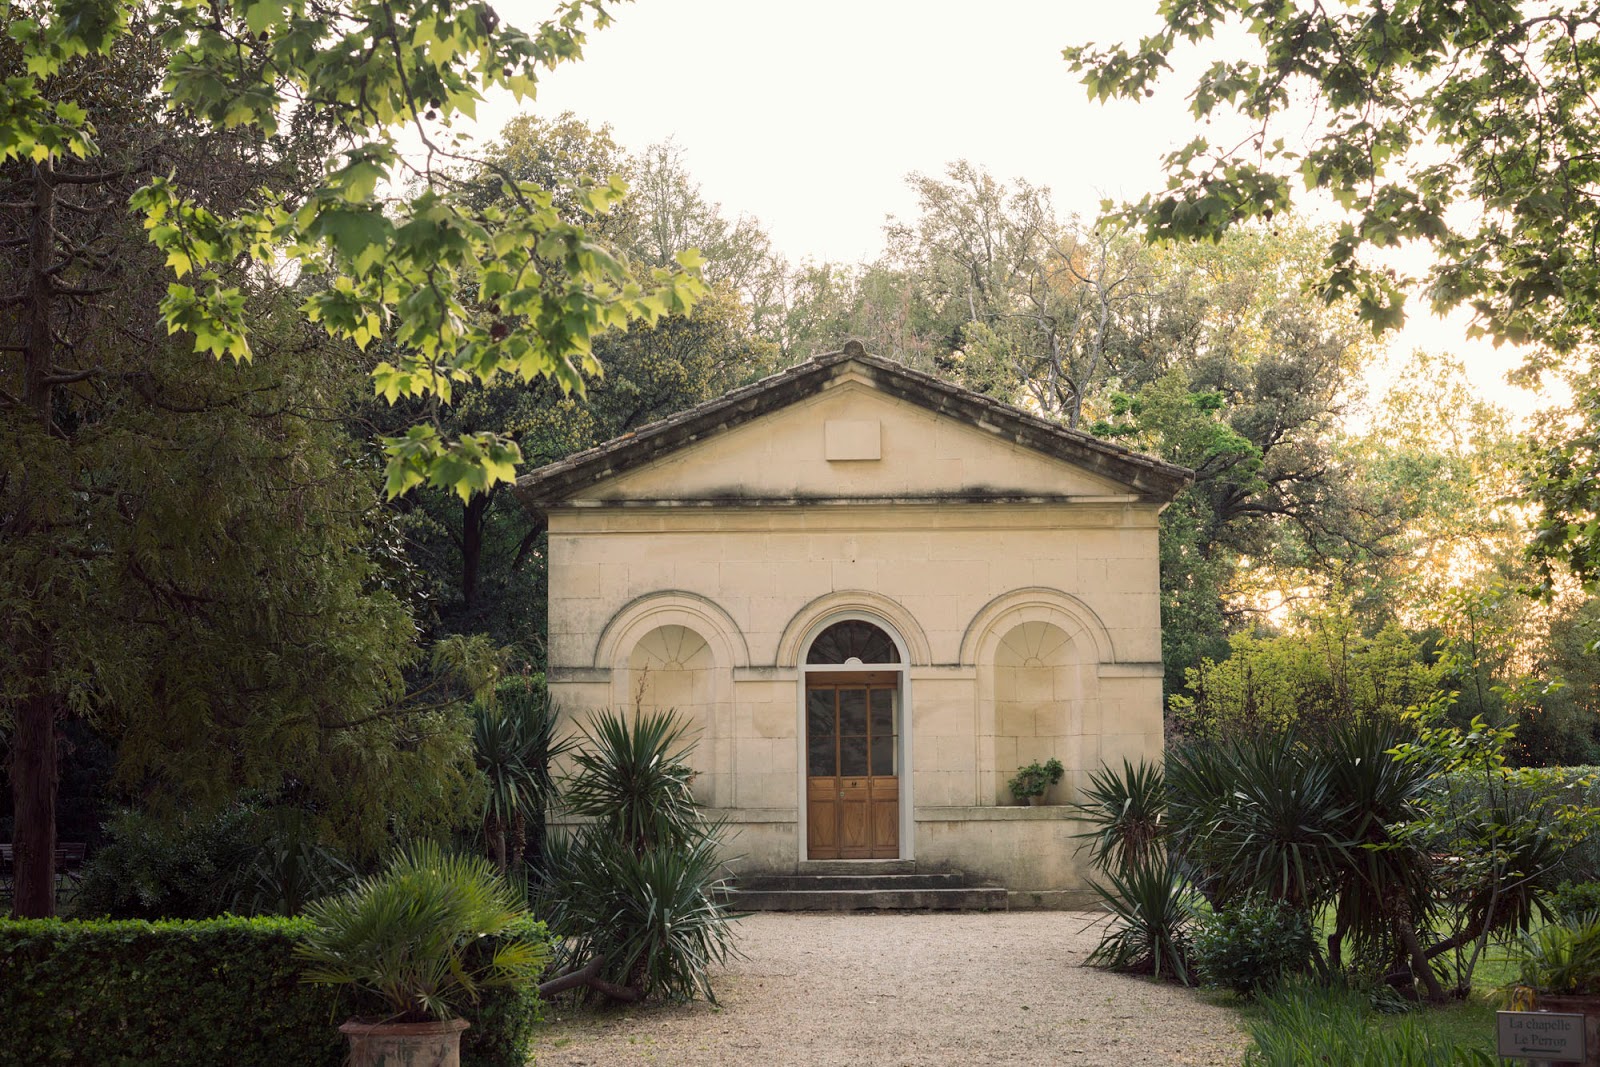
x,y
1541,1035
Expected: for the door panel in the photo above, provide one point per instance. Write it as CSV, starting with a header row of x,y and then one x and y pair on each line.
x,y
822,818
855,820
852,757
885,806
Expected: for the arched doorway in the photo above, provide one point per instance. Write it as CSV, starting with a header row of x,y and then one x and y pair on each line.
x,y
854,742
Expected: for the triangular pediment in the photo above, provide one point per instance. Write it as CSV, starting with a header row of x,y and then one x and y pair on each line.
x,y
852,426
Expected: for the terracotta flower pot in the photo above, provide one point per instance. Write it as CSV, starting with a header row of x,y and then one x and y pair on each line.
x,y
1037,801
432,1044
1588,1007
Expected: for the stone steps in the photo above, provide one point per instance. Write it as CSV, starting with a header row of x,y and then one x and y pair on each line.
x,y
908,891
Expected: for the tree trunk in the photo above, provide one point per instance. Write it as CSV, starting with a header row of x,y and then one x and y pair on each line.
x,y
35,772
518,849
1421,969
589,975
497,844
35,767
473,516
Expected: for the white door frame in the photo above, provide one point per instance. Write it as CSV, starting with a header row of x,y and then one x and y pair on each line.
x,y
903,756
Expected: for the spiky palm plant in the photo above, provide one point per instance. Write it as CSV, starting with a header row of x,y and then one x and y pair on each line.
x,y
1562,958
1126,813
1282,831
404,936
636,892
1152,909
655,918
514,743
633,777
1385,875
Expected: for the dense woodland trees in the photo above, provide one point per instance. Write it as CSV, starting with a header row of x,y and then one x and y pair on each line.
x,y
482,557
251,141
1468,128
198,566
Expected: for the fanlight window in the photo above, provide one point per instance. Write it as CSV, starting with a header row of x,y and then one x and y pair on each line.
x,y
852,639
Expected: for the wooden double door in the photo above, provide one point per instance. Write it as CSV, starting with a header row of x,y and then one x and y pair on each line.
x,y
852,765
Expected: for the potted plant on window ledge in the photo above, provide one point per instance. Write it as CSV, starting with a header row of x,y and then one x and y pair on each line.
x,y
1032,782
404,940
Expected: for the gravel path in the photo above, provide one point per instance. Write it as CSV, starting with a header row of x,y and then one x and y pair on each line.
x,y
887,990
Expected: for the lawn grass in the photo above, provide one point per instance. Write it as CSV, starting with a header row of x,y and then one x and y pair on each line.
x,y
1466,1024
1462,1023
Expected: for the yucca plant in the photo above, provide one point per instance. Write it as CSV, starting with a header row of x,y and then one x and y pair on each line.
x,y
1385,874
654,919
514,743
1199,781
633,778
1127,815
635,894
402,937
1153,908
1280,829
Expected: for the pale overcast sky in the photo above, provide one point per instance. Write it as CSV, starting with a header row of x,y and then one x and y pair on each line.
x,y
809,115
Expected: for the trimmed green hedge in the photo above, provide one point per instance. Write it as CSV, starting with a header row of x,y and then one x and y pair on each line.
x,y
132,993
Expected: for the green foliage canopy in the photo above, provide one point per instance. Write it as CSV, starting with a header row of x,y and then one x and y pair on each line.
x,y
404,265
1468,128
1308,680
481,558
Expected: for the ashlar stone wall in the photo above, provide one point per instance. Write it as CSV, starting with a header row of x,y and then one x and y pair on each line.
x,y
1029,623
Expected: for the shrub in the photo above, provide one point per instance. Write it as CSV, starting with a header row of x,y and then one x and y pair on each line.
x,y
505,1017
1305,682
1556,788
1252,945
401,938
1302,1024
1152,909
1575,898
228,990
133,992
242,858
190,869
1126,813
1562,958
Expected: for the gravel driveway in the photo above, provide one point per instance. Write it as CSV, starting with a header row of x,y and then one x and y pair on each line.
x,y
884,990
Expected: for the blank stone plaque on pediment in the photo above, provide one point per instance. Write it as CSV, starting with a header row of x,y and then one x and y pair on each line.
x,y
852,439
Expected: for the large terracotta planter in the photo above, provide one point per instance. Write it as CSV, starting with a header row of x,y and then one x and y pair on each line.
x,y
1588,1007
436,1044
